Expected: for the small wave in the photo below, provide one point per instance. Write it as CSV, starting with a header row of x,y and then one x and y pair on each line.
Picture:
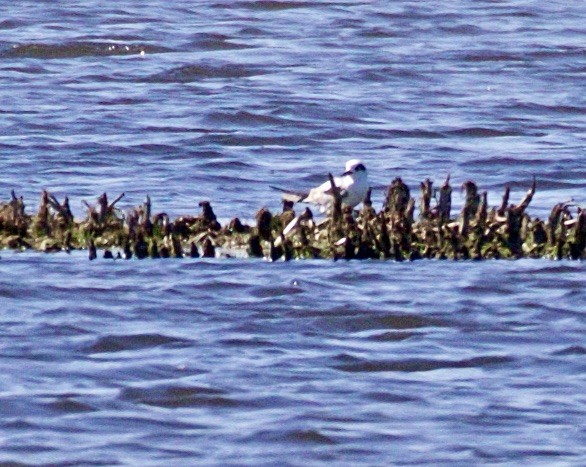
x,y
390,397
392,336
12,292
520,14
309,436
63,330
202,71
382,75
275,5
178,396
419,134
245,140
132,342
370,322
18,424
547,270
10,24
503,160
69,405
549,184
243,118
556,109
82,310
252,342
532,453
380,134
378,33
572,350
416,365
491,56
481,132
562,52
78,49
208,41
28,69
463,30
150,148
270,292
488,288
8,146
252,31
123,101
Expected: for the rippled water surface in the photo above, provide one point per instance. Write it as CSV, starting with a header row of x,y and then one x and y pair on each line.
x,y
314,362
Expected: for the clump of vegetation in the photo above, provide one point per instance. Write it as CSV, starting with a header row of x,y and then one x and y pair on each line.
x,y
477,232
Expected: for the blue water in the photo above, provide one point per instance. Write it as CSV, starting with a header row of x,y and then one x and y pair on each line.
x,y
231,362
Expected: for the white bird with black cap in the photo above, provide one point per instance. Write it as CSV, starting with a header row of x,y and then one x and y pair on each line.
x,y
353,186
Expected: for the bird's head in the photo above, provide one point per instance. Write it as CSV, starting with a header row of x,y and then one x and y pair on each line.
x,y
355,167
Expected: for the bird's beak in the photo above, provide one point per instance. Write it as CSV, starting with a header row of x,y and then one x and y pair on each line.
x,y
348,172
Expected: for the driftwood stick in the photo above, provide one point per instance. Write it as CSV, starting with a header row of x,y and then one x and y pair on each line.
x,y
482,212
62,210
87,205
445,200
146,222
505,202
113,203
103,204
398,196
367,201
528,197
553,222
43,213
579,244
337,204
426,194
472,199
147,208
17,206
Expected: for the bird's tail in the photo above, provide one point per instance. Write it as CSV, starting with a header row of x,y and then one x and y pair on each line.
x,y
290,195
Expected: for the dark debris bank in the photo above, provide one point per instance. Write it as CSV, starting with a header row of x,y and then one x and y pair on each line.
x,y
477,232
